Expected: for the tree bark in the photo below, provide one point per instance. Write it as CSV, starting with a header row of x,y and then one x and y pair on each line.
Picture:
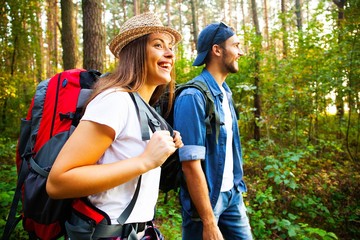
x,y
298,14
93,35
51,37
68,35
136,7
168,13
339,96
194,23
145,6
123,5
284,28
244,26
340,4
39,55
180,50
257,97
266,19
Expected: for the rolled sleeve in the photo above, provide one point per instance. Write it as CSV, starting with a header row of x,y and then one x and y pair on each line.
x,y
192,152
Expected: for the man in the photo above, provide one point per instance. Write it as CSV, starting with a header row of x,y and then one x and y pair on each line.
x,y
212,203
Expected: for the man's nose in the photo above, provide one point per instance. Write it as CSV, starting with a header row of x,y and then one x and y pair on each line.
x,y
241,52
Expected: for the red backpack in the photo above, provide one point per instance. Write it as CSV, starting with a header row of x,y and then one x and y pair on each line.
x,y
54,112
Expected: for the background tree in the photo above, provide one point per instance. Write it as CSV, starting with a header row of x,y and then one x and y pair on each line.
x,y
298,14
51,37
243,26
340,89
302,172
283,27
21,59
136,10
257,47
93,35
194,24
266,20
68,40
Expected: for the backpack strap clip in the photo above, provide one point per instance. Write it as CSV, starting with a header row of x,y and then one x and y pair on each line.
x,y
69,115
148,117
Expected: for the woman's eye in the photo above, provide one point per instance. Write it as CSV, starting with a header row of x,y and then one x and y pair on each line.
x,y
158,45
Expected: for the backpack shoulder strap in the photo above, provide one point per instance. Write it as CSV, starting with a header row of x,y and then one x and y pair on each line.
x,y
149,117
140,108
12,220
107,230
211,112
126,213
146,119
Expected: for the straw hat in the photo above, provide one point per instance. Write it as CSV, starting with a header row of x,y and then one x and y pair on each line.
x,y
139,26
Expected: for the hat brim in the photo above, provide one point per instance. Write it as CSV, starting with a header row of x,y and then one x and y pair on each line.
x,y
126,37
200,59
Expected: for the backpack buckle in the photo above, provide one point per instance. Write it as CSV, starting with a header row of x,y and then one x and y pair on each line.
x,y
69,115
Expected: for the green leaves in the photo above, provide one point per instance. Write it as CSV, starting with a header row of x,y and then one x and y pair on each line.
x,y
168,215
294,194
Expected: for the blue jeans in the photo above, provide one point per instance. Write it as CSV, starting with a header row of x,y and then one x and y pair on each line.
x,y
230,212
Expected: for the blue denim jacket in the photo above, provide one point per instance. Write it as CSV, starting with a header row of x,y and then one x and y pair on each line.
x,y
189,120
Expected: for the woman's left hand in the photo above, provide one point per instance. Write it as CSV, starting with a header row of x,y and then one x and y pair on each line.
x,y
177,139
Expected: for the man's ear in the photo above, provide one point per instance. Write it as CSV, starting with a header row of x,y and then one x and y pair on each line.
x,y
216,49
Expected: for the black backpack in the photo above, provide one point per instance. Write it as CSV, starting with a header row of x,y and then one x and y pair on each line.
x,y
171,173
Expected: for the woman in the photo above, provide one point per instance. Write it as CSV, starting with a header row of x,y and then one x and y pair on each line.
x,y
105,155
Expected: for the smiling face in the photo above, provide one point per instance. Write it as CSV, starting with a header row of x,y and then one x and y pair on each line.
x,y
231,54
160,59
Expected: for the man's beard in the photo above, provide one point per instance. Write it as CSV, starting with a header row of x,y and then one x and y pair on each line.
x,y
229,65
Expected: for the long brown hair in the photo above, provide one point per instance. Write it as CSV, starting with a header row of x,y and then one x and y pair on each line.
x,y
131,73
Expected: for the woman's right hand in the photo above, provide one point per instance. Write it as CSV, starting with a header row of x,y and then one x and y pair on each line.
x,y
159,148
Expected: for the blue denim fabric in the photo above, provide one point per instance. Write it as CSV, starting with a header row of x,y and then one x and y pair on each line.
x,y
230,212
189,120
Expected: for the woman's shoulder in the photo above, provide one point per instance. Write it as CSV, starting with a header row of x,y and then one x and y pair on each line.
x,y
113,91
110,98
113,94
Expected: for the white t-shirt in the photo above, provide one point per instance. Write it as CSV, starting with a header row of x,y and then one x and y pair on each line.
x,y
116,109
228,176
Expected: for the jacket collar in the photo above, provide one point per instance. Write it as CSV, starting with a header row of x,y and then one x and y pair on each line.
x,y
212,84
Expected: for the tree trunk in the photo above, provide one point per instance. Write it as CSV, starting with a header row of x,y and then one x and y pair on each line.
x,y
229,19
224,16
180,51
244,26
68,35
194,23
340,4
298,14
168,14
123,5
266,19
145,6
39,55
284,28
51,37
340,95
93,35
257,97
136,7
180,14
